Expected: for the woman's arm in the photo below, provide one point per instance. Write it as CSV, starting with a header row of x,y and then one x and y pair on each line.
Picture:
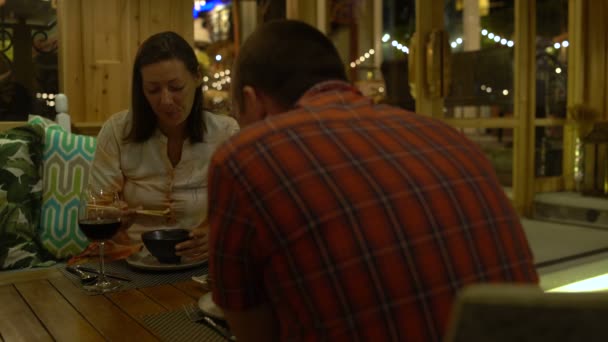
x,y
105,170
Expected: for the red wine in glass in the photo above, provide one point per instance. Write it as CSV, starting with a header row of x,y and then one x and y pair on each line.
x,y
99,219
99,229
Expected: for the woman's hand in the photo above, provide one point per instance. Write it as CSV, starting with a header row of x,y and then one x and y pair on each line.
x,y
128,215
194,249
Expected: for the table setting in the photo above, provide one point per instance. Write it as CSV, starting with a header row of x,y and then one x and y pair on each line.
x,y
154,264
100,215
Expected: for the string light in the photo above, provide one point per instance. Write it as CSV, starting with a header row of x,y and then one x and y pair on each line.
x,y
361,59
503,41
220,80
456,43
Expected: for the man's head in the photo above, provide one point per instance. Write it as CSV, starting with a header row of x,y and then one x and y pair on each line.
x,y
277,64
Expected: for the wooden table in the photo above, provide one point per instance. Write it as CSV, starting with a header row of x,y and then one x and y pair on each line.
x,y
45,306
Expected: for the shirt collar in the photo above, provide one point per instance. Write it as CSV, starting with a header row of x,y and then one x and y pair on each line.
x,y
330,92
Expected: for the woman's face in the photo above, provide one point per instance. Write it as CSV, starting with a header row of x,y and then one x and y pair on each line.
x,y
169,88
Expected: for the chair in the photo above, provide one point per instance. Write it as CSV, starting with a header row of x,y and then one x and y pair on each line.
x,y
525,313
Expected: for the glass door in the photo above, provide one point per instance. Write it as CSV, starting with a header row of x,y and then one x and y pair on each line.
x,y
502,85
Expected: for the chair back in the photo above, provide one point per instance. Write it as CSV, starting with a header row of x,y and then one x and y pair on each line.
x,y
499,313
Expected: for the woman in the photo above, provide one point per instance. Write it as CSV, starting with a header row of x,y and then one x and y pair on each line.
x,y
157,153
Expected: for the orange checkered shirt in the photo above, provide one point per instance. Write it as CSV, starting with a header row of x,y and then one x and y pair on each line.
x,y
357,221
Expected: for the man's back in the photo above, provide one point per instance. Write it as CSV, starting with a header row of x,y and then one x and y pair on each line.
x,y
358,222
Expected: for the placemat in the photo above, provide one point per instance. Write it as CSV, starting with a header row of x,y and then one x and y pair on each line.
x,y
176,326
141,278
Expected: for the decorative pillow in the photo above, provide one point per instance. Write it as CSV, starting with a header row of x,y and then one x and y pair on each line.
x,y
20,198
66,161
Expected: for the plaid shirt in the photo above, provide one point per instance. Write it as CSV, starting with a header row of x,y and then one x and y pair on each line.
x,y
357,222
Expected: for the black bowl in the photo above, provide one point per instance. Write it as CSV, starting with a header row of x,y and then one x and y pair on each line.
x,y
161,243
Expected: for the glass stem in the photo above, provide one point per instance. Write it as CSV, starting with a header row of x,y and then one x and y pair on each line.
x,y
102,265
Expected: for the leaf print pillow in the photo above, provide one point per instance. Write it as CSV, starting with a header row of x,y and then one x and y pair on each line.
x,y
21,198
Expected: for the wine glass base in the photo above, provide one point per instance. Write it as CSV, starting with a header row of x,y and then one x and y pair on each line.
x,y
103,286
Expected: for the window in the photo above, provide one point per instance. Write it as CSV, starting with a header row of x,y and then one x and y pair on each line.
x,y
28,58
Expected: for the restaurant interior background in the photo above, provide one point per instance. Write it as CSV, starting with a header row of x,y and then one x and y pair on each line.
x,y
524,79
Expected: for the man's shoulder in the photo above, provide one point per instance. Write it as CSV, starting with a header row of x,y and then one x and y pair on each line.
x,y
271,132
243,140
219,127
218,120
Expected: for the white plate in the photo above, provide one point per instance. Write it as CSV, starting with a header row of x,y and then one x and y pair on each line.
x,y
202,279
146,261
208,307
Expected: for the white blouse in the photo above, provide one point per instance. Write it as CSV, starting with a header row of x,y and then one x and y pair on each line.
x,y
146,178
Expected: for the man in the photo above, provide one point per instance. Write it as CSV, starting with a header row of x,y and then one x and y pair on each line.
x,y
335,219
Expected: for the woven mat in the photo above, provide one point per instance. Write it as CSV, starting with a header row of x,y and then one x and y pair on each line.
x,y
141,278
176,326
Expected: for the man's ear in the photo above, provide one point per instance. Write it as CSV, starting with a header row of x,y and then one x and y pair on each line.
x,y
253,103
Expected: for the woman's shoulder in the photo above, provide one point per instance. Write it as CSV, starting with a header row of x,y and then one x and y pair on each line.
x,y
118,124
219,127
123,117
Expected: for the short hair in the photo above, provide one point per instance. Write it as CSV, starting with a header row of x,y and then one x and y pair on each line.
x,y
284,59
157,48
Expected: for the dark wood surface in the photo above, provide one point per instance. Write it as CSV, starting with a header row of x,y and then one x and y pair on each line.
x,y
51,307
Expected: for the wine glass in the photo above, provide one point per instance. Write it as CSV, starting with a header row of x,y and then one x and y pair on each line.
x,y
99,218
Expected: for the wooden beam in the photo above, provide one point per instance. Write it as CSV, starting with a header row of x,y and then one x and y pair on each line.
x,y
549,184
548,122
429,17
483,122
524,105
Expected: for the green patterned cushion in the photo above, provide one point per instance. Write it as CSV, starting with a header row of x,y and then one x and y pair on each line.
x,y
66,159
20,198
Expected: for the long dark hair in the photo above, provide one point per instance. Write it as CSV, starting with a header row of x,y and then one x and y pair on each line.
x,y
161,47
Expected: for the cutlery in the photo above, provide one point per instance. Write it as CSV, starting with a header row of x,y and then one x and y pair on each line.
x,y
203,280
137,211
218,328
196,315
165,212
108,274
85,278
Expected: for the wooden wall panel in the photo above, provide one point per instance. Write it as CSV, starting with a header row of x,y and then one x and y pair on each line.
x,y
99,40
71,67
106,55
162,15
